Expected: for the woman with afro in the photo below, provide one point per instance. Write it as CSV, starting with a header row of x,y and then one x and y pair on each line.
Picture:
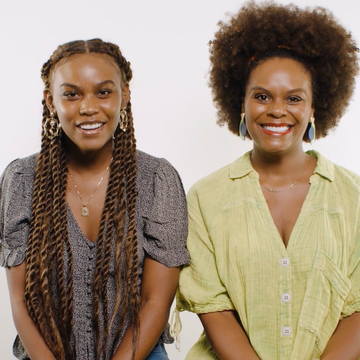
x,y
274,237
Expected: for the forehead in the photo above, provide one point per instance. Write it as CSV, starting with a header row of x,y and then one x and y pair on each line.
x,y
280,72
85,68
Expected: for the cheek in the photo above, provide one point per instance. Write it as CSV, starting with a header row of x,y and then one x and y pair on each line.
x,y
301,114
112,107
66,111
253,110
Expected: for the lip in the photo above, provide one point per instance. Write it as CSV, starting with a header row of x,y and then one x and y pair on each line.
x,y
90,127
276,129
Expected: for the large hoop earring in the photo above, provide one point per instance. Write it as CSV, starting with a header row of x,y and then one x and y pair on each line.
x,y
312,130
242,127
123,123
51,127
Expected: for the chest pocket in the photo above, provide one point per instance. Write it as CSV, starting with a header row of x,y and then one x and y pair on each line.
x,y
326,291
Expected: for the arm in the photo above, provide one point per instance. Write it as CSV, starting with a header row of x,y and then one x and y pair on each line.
x,y
227,337
30,337
345,342
157,293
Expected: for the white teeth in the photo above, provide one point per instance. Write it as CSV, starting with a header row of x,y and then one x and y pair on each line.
x,y
90,126
278,129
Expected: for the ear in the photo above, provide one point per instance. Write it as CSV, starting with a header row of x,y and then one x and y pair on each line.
x,y
49,100
312,112
125,96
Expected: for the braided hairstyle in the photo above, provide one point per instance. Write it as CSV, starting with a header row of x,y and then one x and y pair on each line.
x,y
48,241
312,37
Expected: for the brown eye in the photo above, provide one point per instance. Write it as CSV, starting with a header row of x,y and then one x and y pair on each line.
x,y
70,94
261,97
294,99
105,92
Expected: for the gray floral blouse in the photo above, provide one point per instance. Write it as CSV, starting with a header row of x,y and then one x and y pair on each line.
x,y
161,221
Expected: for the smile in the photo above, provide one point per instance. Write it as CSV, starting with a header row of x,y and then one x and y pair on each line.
x,y
90,126
278,129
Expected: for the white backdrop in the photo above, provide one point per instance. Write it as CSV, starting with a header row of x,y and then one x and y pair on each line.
x,y
166,42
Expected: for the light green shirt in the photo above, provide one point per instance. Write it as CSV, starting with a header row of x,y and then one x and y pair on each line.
x,y
289,300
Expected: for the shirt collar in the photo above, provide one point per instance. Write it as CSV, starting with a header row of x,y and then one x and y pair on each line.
x,y
324,167
242,167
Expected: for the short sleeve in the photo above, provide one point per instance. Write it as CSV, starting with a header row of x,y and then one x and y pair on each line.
x,y
15,213
352,302
200,287
165,226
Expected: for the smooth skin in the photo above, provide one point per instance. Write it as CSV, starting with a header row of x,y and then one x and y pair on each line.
x,y
87,89
278,107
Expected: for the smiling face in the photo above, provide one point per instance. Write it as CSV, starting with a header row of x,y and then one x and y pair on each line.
x,y
278,105
87,94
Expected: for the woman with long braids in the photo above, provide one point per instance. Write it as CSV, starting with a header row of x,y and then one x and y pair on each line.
x,y
92,231
274,237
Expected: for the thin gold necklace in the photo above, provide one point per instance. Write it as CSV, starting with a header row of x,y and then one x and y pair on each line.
x,y
84,209
291,185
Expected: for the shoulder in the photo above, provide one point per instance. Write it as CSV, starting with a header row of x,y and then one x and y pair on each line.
x,y
215,188
214,180
347,176
340,186
339,175
210,194
149,164
347,184
151,169
23,168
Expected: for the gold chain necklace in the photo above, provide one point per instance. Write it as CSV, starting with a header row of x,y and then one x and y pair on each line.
x,y
84,209
288,187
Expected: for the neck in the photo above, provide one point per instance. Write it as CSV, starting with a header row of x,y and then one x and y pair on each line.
x,y
278,165
79,160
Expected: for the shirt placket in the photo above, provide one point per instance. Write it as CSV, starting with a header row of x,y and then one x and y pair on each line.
x,y
89,299
285,301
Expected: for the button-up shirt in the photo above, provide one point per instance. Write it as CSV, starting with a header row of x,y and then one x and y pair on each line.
x,y
289,299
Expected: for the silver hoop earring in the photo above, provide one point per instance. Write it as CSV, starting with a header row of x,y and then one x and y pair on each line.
x,y
51,127
123,123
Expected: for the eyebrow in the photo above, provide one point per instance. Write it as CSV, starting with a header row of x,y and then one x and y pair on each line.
x,y
290,91
97,85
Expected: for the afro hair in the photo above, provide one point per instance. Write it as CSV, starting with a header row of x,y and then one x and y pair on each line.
x,y
312,37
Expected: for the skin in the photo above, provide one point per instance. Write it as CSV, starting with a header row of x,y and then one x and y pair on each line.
x,y
85,90
88,89
279,94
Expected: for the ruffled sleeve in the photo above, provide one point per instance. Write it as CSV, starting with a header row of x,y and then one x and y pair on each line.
x,y
15,210
165,225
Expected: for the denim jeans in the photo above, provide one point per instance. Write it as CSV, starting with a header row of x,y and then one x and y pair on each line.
x,y
158,353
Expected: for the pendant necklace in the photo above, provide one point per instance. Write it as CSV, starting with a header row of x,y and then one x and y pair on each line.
x,y
84,209
291,185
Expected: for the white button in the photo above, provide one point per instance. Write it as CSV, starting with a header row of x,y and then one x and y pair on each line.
x,y
286,331
285,262
285,297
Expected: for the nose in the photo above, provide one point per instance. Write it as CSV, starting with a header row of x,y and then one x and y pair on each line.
x,y
277,109
89,106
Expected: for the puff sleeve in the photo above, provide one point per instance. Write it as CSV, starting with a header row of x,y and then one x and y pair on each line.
x,y
165,227
15,212
200,287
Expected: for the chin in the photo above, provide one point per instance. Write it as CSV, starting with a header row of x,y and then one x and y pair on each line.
x,y
91,146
